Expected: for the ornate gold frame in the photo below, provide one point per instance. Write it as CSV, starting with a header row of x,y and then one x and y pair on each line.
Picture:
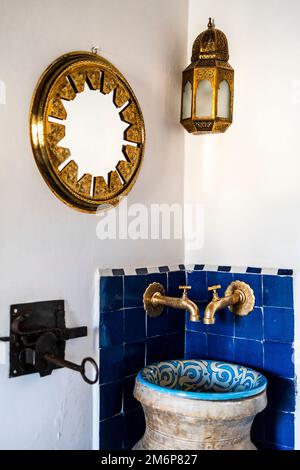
x,y
62,80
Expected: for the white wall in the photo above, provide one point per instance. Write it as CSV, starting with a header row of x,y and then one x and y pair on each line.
x,y
248,178
47,250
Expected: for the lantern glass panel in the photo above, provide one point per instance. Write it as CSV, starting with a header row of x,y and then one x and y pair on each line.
x,y
224,100
204,99
187,101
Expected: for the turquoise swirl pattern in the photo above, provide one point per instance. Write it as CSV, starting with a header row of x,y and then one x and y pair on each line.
x,y
203,379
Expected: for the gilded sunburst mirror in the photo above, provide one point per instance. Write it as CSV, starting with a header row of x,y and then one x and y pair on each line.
x,y
88,159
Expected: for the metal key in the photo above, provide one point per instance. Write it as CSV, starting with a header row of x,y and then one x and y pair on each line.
x,y
78,368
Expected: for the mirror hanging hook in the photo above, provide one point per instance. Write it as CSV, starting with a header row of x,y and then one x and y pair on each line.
x,y
95,49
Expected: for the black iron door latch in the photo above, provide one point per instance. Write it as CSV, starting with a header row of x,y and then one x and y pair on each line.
x,y
38,335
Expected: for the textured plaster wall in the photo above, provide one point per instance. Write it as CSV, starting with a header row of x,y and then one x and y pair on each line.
x,y
247,180
47,250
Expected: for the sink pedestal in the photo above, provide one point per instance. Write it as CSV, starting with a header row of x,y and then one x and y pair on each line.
x,y
196,404
176,423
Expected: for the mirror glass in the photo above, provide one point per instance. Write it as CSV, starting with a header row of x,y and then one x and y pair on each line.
x,y
93,133
87,131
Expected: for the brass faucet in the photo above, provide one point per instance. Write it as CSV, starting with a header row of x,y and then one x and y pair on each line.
x,y
239,297
155,301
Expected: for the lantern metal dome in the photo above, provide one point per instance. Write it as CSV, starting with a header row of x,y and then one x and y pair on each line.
x,y
208,84
210,44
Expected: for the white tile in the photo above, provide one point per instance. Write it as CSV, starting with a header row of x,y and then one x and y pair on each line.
x,y
129,271
270,271
210,267
153,270
189,267
238,269
105,272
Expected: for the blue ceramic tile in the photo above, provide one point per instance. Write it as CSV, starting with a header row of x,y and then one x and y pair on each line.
x,y
157,325
253,270
111,364
141,270
176,320
220,347
280,428
225,269
281,393
258,428
195,345
278,359
111,328
215,278
176,279
251,326
285,272
248,352
175,346
130,403
272,446
111,399
134,427
134,288
198,267
224,323
278,291
134,357
157,349
197,280
279,324
248,348
111,433
163,269
255,282
111,293
118,272
197,325
158,277
134,325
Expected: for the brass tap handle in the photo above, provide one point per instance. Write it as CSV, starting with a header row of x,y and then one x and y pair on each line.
x,y
214,289
185,289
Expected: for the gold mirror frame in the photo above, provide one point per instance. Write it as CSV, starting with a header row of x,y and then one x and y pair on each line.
x,y
63,80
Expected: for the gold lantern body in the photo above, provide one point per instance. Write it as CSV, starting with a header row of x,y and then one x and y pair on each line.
x,y
208,85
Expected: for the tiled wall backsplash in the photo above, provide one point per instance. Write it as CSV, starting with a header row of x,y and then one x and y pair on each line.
x,y
262,340
129,340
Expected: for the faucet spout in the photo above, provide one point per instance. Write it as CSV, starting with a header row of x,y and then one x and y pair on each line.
x,y
238,297
155,300
192,308
219,304
182,303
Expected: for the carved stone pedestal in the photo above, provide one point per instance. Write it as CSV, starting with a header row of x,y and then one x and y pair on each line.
x,y
176,423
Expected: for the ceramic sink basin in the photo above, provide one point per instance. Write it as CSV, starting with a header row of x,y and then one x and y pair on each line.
x,y
199,404
203,380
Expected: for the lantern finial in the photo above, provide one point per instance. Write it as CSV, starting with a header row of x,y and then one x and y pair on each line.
x,y
211,23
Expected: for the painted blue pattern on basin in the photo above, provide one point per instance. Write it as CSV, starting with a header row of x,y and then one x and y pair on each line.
x,y
203,379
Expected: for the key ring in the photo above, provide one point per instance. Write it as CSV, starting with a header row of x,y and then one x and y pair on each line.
x,y
84,376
